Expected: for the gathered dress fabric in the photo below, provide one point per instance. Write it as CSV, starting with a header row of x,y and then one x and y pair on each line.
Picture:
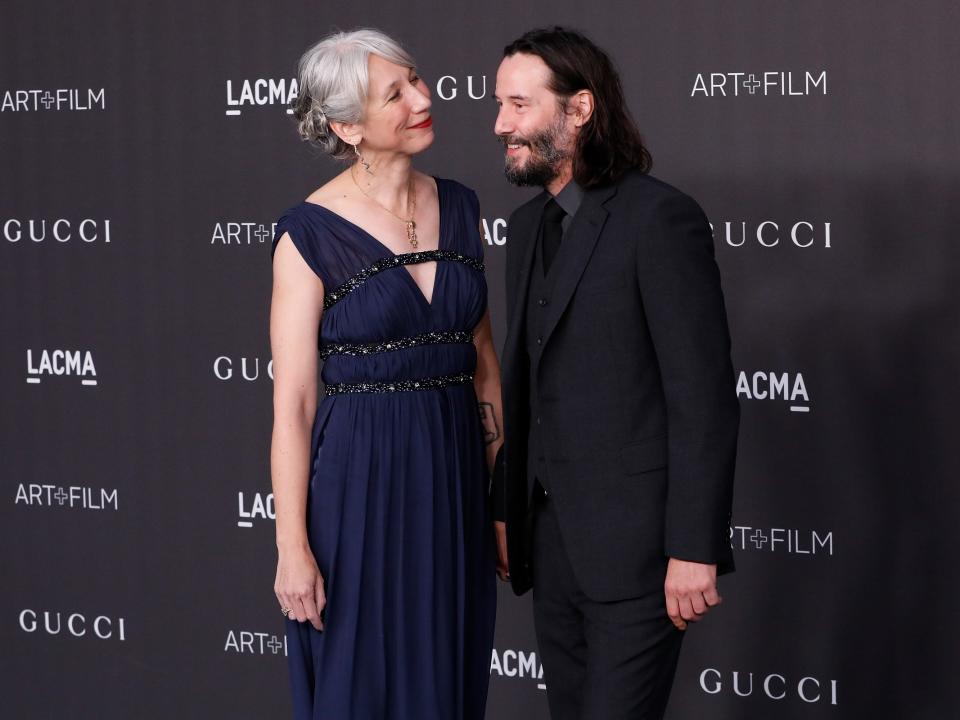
x,y
397,507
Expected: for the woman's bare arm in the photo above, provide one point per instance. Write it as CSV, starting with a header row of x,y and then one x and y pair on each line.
x,y
295,311
486,382
487,385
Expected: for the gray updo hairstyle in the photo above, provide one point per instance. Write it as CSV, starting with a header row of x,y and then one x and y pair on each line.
x,y
333,84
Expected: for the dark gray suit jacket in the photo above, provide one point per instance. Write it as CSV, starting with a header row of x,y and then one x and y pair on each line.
x,y
638,406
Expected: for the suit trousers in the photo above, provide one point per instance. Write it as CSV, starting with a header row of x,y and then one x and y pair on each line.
x,y
601,660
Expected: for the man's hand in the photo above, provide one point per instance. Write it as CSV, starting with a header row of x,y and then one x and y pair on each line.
x,y
691,590
503,565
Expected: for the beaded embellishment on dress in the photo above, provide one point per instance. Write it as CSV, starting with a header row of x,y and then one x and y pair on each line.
x,y
334,296
431,338
428,383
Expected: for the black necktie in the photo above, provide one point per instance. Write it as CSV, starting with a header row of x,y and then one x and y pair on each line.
x,y
552,230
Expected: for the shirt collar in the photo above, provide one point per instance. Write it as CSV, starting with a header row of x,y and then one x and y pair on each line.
x,y
570,198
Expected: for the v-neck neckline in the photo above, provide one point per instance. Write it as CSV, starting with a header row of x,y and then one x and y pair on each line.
x,y
441,217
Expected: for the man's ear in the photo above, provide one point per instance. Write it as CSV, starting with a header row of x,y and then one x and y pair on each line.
x,y
350,133
582,106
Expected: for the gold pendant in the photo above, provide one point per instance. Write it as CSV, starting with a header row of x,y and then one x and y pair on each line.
x,y
412,232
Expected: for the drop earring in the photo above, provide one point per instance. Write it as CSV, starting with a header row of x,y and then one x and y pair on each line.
x,y
366,165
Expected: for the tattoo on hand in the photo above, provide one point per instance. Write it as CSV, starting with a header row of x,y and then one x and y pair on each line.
x,y
489,422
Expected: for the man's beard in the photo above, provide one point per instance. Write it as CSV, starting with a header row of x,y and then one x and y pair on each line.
x,y
546,156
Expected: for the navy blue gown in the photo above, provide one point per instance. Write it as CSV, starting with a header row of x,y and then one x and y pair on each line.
x,y
397,512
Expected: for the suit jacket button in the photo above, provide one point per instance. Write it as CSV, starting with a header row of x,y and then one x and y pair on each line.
x,y
541,302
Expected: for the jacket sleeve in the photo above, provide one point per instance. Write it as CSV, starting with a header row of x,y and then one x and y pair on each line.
x,y
683,302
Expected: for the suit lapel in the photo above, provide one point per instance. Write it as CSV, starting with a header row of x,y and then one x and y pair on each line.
x,y
525,230
575,252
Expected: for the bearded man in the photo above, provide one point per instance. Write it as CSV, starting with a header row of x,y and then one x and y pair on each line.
x,y
614,487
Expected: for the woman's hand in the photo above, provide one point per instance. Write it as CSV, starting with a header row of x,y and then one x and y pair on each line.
x,y
299,586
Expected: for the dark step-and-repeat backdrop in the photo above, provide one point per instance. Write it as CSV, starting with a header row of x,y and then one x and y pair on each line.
x,y
145,152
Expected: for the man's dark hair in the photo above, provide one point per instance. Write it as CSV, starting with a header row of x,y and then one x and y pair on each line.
x,y
609,144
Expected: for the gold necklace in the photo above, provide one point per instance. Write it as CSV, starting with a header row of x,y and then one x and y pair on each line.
x,y
411,203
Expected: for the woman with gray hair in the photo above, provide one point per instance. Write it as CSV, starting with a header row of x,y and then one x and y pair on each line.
x,y
385,543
